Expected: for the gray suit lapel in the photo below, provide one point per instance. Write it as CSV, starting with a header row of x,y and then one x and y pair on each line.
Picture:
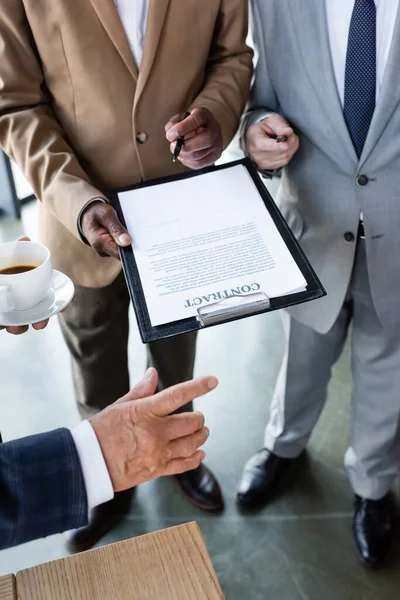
x,y
311,27
389,97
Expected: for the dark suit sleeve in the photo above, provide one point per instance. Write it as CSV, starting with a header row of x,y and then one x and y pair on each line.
x,y
42,490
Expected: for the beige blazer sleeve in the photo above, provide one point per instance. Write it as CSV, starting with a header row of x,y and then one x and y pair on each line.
x,y
230,68
29,131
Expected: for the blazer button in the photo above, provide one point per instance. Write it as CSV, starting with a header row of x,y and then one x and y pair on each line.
x,y
362,180
349,237
142,137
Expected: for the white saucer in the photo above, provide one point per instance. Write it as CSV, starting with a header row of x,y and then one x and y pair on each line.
x,y
57,298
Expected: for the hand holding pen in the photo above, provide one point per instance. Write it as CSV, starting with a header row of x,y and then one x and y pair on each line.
x,y
278,138
195,138
181,140
272,143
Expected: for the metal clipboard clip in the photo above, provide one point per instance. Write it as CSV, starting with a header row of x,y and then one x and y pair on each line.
x,y
233,307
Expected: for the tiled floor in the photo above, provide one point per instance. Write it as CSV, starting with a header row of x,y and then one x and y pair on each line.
x,y
300,547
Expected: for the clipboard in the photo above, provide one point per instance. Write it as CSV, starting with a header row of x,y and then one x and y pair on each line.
x,y
223,311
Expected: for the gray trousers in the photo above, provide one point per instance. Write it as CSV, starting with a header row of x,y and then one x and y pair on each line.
x,y
96,327
373,457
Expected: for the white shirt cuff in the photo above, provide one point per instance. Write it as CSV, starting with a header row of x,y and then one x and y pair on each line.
x,y
264,116
98,484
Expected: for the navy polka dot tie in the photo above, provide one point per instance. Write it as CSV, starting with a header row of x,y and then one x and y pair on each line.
x,y
360,78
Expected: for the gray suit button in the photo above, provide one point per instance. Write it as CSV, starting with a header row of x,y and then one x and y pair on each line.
x,y
142,137
362,180
349,237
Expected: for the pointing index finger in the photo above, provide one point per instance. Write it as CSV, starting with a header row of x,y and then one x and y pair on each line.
x,y
168,401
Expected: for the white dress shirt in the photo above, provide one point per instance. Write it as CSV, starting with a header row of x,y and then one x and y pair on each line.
x,y
98,484
339,14
133,14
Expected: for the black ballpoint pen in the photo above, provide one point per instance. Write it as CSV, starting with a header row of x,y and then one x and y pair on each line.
x,y
277,138
180,142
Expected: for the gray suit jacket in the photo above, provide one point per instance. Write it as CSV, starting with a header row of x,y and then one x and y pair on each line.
x,y
319,195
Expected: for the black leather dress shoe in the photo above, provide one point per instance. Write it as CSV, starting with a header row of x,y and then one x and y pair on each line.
x,y
101,520
373,528
260,478
201,488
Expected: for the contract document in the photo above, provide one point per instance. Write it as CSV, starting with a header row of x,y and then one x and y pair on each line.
x,y
208,247
202,240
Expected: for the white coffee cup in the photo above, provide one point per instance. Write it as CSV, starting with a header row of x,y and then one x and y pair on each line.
x,y
22,291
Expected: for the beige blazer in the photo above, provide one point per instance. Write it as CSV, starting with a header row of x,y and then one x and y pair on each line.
x,y
73,104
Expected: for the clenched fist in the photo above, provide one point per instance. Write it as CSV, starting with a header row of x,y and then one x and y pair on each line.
x,y
203,138
140,438
267,153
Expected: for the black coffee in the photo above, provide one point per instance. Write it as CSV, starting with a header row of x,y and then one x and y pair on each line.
x,y
17,270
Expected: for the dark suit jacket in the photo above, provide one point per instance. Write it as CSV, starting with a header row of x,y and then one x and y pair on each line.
x,y
42,490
